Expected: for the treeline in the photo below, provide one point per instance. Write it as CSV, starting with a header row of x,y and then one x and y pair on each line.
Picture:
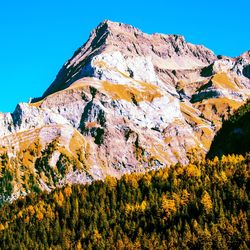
x,y
239,113
204,205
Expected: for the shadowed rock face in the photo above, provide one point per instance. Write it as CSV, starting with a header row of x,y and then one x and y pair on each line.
x,y
246,71
125,102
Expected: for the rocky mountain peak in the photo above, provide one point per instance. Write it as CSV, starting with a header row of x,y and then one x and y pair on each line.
x,y
117,27
246,55
112,42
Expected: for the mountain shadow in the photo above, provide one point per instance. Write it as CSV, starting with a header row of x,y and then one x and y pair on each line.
x,y
233,137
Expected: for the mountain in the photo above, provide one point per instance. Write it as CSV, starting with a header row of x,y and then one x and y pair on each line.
x,y
125,102
233,137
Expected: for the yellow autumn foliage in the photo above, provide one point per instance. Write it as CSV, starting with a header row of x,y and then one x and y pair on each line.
x,y
67,191
2,227
136,208
185,197
223,80
39,215
59,198
207,202
131,180
192,171
169,206
31,210
111,181
147,92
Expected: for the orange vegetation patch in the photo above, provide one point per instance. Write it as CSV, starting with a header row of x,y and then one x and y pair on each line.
x,y
3,150
77,142
102,64
28,160
144,92
167,140
223,80
36,104
203,131
158,152
79,151
92,124
83,84
232,103
190,113
180,85
213,109
29,151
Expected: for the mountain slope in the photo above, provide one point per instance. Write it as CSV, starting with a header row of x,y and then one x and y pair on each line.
x,y
125,102
233,137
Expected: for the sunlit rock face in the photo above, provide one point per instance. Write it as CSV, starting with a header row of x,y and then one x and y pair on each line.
x,y
125,102
125,49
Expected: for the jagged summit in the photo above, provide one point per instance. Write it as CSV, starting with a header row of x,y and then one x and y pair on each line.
x,y
166,52
114,27
246,55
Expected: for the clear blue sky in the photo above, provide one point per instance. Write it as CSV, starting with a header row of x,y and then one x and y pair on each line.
x,y
37,37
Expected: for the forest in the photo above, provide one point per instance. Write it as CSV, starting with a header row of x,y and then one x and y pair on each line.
x,y
204,205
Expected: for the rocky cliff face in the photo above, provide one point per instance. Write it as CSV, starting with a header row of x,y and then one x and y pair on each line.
x,y
126,101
